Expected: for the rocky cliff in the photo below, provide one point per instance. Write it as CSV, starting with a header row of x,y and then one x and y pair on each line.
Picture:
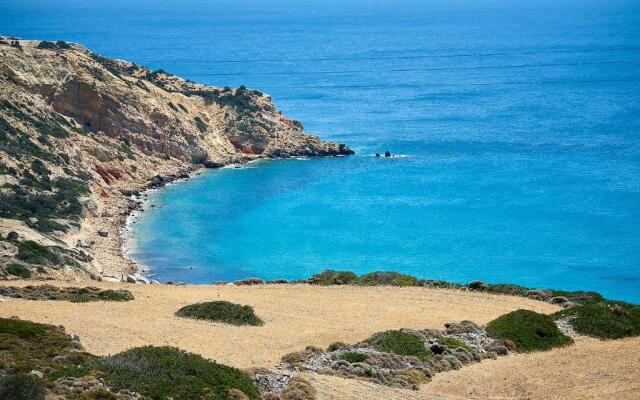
x,y
79,133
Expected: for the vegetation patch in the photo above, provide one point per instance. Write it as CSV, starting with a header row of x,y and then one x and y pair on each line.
x,y
221,311
529,330
21,387
34,253
387,278
27,346
400,343
453,343
19,270
167,372
604,319
331,277
354,357
73,294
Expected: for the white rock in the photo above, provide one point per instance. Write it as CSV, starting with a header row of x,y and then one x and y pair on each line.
x,y
37,373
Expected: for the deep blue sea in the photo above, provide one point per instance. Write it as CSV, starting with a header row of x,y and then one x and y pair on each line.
x,y
517,126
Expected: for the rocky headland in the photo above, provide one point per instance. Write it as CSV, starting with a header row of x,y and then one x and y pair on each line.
x,y
81,135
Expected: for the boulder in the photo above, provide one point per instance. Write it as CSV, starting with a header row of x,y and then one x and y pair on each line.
x,y
103,233
131,279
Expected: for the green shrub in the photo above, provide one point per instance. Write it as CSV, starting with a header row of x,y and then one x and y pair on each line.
x,y
401,343
34,253
506,288
577,296
354,357
604,319
46,45
221,311
167,372
387,278
453,343
115,295
19,270
529,330
21,387
102,295
331,277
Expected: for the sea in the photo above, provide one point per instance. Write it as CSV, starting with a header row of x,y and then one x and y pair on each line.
x,y
514,128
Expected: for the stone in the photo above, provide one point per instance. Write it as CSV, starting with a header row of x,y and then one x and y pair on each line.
x,y
39,374
103,233
131,279
111,279
85,243
387,153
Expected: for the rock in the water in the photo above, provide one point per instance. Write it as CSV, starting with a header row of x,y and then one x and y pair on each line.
x,y
387,153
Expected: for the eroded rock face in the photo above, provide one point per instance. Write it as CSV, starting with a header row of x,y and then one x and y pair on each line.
x,y
77,130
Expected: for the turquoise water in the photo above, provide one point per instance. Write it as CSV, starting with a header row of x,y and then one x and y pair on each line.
x,y
518,126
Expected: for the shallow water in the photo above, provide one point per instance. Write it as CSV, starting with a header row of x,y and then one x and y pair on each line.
x,y
519,125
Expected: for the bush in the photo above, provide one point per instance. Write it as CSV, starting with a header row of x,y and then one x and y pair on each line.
x,y
21,387
46,45
22,329
221,311
354,357
604,319
529,330
19,270
167,372
331,277
401,343
34,253
299,389
115,295
578,296
387,278
453,343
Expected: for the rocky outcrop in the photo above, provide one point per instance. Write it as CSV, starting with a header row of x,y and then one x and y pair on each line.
x,y
79,131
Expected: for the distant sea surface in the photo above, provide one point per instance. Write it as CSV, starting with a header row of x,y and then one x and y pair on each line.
x,y
516,125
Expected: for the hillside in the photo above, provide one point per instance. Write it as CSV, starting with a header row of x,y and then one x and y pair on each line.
x,y
81,133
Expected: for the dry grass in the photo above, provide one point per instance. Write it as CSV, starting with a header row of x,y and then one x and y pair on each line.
x,y
295,316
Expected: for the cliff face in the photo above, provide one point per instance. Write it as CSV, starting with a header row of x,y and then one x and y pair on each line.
x,y
78,130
